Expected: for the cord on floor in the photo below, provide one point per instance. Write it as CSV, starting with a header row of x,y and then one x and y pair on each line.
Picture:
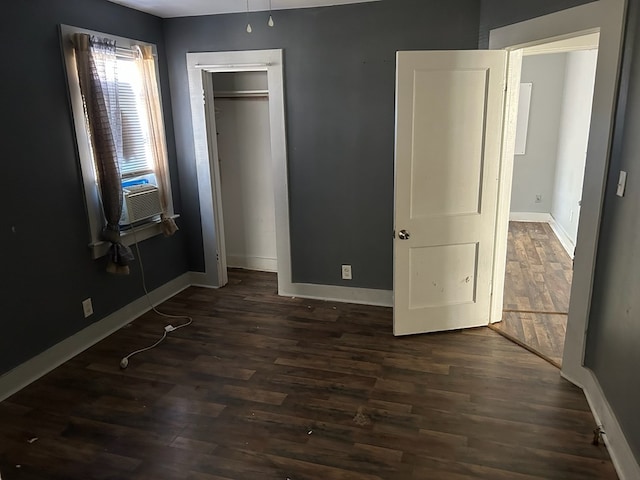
x,y
124,362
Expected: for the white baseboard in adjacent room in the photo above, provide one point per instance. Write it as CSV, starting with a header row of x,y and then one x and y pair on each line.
x,y
263,264
537,217
617,445
41,364
562,235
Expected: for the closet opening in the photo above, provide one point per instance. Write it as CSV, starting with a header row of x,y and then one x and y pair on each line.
x,y
242,131
240,96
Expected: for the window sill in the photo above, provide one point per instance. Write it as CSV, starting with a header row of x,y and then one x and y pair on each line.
x,y
128,237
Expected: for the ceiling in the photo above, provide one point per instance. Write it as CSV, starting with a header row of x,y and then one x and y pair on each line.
x,y
189,8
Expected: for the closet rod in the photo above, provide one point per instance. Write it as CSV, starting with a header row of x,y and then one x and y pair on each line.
x,y
241,94
239,66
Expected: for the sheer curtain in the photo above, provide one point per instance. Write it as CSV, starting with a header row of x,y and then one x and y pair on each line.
x,y
147,66
97,71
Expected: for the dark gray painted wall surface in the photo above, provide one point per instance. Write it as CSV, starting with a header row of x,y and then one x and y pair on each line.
x,y
339,89
613,342
340,82
46,267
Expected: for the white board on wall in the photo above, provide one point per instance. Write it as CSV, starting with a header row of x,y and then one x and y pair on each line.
x,y
524,104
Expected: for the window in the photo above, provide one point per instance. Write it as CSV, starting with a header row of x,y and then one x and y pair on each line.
x,y
142,158
136,147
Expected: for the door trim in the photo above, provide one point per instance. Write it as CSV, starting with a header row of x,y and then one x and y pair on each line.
x,y
208,174
200,66
608,17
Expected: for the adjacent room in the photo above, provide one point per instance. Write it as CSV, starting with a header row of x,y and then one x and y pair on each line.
x,y
285,239
554,115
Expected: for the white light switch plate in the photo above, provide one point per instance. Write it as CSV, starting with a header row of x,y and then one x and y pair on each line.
x,y
622,183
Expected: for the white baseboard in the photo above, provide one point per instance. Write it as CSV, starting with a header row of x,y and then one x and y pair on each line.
x,y
621,454
40,365
562,235
263,264
529,217
618,447
333,293
199,279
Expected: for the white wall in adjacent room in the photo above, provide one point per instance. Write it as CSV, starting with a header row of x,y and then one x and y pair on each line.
x,y
572,144
533,172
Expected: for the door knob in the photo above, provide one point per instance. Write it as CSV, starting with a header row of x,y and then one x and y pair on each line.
x,y
404,235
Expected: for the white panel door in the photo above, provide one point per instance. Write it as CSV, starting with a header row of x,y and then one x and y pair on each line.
x,y
449,110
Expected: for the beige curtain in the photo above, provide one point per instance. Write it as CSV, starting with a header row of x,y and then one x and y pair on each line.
x,y
147,65
97,71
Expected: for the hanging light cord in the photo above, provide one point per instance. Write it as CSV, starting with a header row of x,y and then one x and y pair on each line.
x,y
249,29
270,22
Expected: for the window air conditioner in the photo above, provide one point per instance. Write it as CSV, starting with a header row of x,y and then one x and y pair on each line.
x,y
139,203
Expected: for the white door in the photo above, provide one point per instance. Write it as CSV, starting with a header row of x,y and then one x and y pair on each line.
x,y
449,109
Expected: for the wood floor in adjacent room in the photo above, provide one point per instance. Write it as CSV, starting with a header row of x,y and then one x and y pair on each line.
x,y
266,387
537,290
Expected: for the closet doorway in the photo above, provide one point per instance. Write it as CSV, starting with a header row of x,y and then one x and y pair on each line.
x,y
249,86
241,109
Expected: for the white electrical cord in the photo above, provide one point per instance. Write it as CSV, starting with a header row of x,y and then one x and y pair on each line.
x,y
124,363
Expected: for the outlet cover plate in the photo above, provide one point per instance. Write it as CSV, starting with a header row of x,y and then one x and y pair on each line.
x,y
87,307
346,272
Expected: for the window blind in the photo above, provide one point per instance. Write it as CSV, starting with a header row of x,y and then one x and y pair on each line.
x,y
136,153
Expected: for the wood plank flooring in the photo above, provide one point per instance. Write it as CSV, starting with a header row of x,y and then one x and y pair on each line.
x,y
537,290
539,271
266,387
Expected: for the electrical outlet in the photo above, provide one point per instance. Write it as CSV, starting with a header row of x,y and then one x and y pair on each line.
x,y
538,198
346,272
87,307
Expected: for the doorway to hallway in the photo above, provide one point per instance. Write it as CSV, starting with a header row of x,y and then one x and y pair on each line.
x,y
537,290
554,113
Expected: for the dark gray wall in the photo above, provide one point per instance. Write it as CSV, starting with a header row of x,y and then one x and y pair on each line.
x,y
613,340
46,267
498,13
340,80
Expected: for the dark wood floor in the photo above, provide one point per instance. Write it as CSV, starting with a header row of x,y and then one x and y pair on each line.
x,y
265,387
537,290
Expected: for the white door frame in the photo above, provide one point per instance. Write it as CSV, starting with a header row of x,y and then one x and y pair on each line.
x,y
200,66
607,17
